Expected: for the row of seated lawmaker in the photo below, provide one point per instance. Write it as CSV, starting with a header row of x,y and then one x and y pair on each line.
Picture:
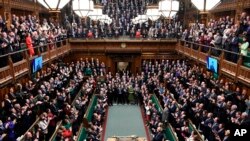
x,y
155,120
28,32
48,96
176,112
95,129
192,93
21,106
122,12
72,121
224,33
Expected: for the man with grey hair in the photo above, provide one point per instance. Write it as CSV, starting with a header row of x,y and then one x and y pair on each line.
x,y
244,119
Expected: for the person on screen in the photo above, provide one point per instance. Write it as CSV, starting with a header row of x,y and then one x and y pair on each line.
x,y
39,64
211,67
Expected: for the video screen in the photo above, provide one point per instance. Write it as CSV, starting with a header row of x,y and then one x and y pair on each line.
x,y
37,64
212,64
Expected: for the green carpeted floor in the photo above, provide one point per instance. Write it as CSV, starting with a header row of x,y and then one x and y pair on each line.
x,y
124,120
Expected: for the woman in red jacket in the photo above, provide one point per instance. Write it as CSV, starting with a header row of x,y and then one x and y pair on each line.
x,y
51,40
29,45
138,34
90,34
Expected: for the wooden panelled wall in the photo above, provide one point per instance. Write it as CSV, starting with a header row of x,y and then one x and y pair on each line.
x,y
114,46
111,52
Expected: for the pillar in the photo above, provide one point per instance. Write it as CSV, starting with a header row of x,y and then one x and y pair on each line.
x,y
36,11
239,10
55,15
204,17
6,12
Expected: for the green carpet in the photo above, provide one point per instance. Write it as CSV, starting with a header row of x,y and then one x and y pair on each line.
x,y
124,120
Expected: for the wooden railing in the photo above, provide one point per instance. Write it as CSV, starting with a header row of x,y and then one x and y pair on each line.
x,y
20,67
235,70
244,73
123,45
15,70
5,75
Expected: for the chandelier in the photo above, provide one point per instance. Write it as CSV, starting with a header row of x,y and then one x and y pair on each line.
x,y
105,19
53,5
153,13
96,14
168,8
140,19
83,8
205,5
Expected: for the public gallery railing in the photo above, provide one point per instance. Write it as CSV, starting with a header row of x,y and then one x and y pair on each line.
x,y
16,64
126,38
234,65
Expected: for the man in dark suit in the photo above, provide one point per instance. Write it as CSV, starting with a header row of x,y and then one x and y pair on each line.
x,y
159,136
234,47
110,95
221,131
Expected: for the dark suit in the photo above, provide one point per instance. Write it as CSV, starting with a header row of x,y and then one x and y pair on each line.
x,y
208,121
221,133
235,48
158,137
110,96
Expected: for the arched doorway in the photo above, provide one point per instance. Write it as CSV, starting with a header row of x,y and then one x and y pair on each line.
x,y
124,63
